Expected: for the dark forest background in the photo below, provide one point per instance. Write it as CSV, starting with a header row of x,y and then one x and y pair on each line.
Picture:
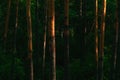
x,y
82,63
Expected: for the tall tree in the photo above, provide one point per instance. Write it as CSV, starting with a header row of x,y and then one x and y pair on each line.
x,y
37,40
29,29
83,27
66,39
81,2
7,24
80,27
80,30
15,42
44,43
102,30
96,36
51,32
115,43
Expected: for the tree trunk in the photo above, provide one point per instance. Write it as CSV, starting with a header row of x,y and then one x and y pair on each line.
x,y
29,25
96,36
83,28
15,44
115,44
7,24
51,32
44,44
66,39
36,46
102,29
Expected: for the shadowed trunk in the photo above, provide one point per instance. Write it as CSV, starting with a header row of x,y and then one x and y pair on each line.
x,y
115,45
15,44
6,25
44,37
66,40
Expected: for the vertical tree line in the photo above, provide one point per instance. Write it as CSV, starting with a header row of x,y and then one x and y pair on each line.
x,y
6,25
102,33
36,46
51,39
44,37
84,27
96,36
80,35
30,49
15,42
66,39
115,44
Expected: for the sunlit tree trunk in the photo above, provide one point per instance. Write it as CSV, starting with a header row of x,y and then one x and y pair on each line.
x,y
66,39
15,44
51,32
96,36
29,25
102,29
7,24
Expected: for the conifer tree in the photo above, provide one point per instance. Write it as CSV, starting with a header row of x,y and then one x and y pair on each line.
x,y
29,29
66,39
7,24
96,36
102,30
51,32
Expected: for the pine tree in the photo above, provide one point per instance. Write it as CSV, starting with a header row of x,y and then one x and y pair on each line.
x,y
29,25
115,43
7,24
51,32
102,29
96,36
66,39
44,43
15,43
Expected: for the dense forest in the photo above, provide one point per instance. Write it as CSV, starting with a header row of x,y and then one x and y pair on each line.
x,y
59,40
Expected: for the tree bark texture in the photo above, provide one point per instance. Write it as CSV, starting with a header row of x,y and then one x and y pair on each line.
x,y
51,32
102,30
29,25
96,36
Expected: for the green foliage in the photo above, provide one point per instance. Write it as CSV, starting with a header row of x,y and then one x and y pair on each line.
x,y
5,67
